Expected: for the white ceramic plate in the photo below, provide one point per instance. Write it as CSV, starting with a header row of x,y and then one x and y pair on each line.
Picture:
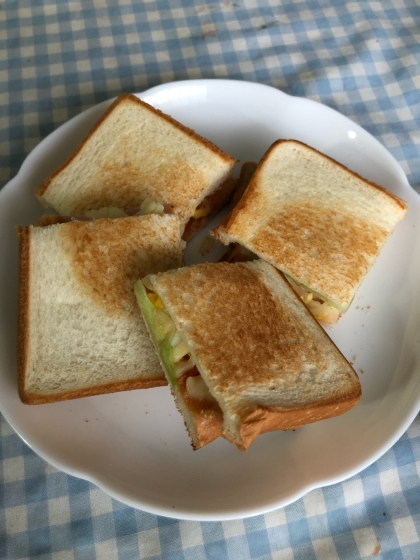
x,y
133,445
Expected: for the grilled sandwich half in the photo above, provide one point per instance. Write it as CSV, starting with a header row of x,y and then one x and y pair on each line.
x,y
81,332
318,222
137,158
242,353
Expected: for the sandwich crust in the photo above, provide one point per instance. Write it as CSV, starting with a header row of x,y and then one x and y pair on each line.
x,y
263,356
51,220
262,419
132,152
29,397
315,220
23,234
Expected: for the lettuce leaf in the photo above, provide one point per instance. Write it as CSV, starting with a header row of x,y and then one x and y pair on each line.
x,y
159,338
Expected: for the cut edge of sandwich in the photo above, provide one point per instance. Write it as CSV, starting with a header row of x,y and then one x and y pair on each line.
x,y
201,412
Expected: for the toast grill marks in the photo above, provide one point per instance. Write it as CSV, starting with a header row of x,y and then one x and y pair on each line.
x,y
108,256
263,356
100,343
135,151
338,250
317,221
229,311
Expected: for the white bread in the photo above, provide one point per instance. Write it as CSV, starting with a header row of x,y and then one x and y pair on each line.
x,y
134,152
263,356
80,330
318,222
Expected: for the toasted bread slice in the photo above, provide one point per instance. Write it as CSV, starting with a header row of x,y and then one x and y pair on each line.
x,y
315,220
133,152
265,360
80,330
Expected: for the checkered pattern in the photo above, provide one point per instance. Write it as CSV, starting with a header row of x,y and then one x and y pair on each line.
x,y
47,514
59,57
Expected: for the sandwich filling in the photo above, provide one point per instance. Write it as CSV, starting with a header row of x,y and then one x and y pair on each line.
x,y
209,207
201,215
148,206
320,309
177,358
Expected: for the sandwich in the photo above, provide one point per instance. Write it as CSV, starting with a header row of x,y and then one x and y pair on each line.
x,y
138,160
80,331
318,222
242,353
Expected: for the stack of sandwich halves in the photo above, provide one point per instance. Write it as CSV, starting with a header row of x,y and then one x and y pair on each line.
x,y
238,341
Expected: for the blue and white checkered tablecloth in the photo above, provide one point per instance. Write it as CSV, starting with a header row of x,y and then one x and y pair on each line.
x,y
58,58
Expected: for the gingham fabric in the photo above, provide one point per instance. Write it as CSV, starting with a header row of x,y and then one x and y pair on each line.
x,y
58,58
